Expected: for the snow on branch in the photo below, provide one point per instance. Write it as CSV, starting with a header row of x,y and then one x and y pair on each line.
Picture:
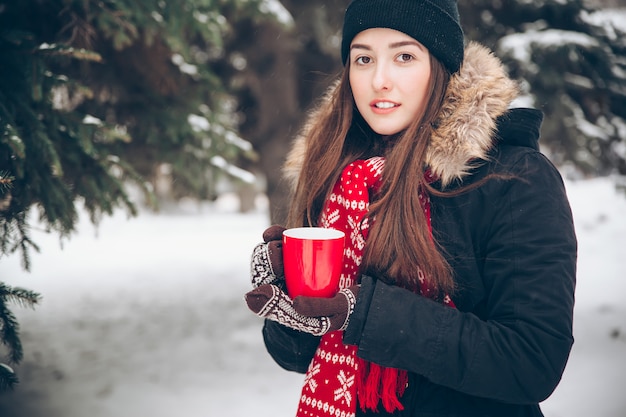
x,y
519,45
242,174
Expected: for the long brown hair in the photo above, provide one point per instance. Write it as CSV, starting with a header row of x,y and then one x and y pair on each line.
x,y
399,246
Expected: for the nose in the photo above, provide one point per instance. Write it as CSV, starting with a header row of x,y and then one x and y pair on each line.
x,y
381,79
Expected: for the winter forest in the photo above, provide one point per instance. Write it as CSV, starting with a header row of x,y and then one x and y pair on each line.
x,y
141,146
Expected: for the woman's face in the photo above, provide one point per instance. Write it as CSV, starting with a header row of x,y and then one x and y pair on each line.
x,y
389,77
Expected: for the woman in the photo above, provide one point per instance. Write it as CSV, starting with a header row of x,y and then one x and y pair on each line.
x,y
461,257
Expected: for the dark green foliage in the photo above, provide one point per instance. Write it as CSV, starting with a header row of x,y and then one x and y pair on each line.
x,y
9,329
95,95
570,57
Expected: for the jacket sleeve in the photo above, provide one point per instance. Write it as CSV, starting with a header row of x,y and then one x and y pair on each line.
x,y
516,351
291,349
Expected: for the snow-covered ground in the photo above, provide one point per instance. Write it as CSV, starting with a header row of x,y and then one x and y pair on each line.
x,y
145,317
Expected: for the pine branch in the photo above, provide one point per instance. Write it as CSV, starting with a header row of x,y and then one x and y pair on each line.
x,y
64,50
8,379
14,236
6,181
21,296
9,329
9,333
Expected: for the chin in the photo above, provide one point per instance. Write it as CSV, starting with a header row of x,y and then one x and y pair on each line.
x,y
386,131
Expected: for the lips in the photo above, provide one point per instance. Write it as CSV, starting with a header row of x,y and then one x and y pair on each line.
x,y
383,106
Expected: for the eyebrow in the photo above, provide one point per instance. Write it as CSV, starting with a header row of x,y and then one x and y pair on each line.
x,y
392,45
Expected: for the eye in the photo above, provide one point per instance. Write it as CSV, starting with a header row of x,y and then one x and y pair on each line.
x,y
363,60
405,57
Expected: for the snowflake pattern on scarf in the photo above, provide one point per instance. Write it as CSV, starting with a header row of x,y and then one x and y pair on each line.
x,y
330,383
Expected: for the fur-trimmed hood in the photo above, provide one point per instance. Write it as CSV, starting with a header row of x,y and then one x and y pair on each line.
x,y
477,95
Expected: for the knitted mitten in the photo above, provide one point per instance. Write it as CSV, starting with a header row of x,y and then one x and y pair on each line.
x,y
270,302
337,308
314,315
266,266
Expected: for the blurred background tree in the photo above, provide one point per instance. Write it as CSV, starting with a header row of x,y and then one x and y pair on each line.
x,y
108,104
99,101
281,74
569,57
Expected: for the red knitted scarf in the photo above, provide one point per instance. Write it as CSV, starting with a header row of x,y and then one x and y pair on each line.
x,y
336,376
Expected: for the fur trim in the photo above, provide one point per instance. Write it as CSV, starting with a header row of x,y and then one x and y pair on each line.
x,y
295,157
477,95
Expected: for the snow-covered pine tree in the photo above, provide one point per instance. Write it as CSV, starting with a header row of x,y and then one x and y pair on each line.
x,y
570,56
98,94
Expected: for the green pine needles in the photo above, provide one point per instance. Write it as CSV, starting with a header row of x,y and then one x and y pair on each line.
x,y
9,330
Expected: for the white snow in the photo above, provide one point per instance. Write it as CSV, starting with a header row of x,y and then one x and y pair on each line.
x,y
145,317
236,172
198,123
92,120
186,68
520,46
612,21
276,8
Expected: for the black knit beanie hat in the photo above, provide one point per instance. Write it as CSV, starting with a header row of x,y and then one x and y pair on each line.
x,y
434,23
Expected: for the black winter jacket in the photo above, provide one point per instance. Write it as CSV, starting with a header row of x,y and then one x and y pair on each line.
x,y
512,246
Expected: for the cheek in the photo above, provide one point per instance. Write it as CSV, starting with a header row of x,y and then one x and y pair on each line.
x,y
354,84
420,97
420,89
358,91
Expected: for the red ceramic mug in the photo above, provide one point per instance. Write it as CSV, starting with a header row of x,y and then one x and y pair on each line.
x,y
313,257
